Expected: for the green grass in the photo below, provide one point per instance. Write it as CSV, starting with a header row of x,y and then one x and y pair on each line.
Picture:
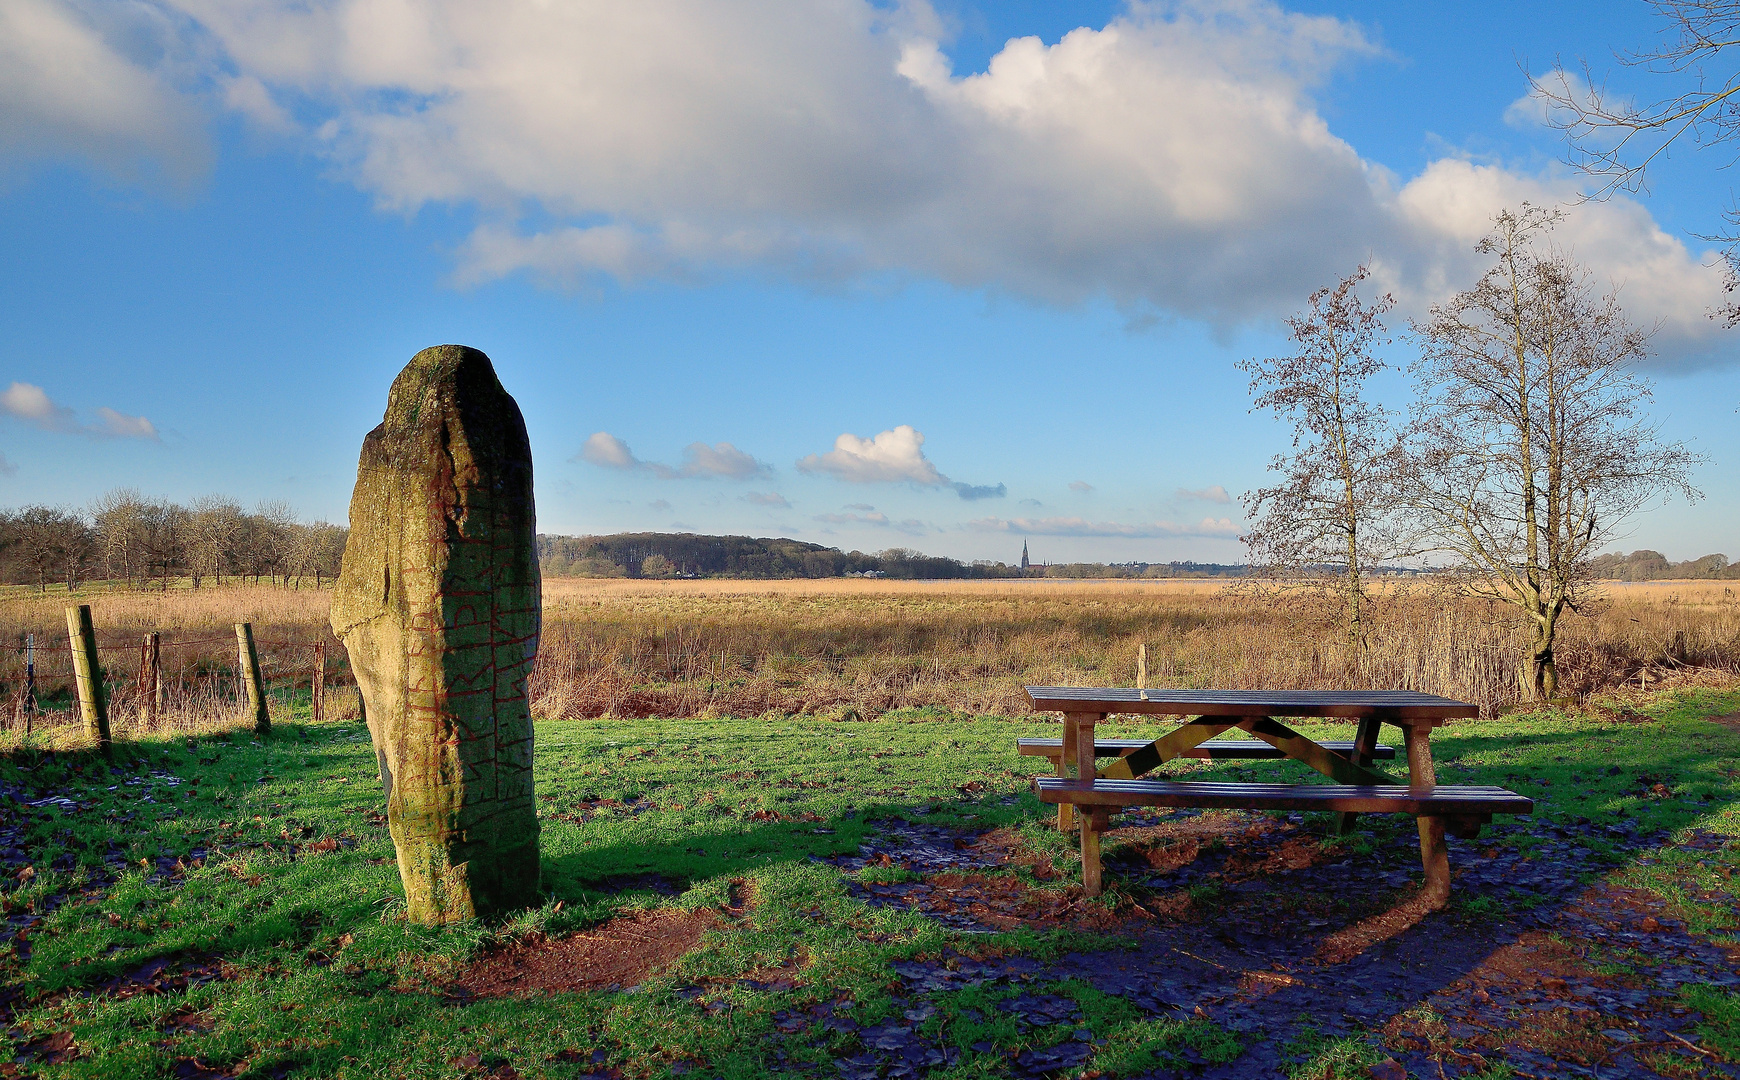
x,y
324,978
1720,1028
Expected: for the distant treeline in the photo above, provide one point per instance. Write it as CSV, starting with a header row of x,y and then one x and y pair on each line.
x,y
1654,566
125,536
667,555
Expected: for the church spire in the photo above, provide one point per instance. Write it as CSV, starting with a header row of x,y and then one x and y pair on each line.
x,y
1024,562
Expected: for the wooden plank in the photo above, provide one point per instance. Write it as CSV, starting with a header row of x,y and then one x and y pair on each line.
x,y
1093,822
1422,776
1066,769
1084,745
1435,859
1165,748
1299,748
1365,747
1394,706
1386,799
1217,749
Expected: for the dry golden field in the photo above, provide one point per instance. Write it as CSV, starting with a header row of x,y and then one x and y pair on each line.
x,y
744,648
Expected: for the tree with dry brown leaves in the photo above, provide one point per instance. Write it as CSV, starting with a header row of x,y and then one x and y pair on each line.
x,y
1529,447
1330,520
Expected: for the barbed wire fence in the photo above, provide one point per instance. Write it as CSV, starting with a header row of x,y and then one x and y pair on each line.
x,y
157,684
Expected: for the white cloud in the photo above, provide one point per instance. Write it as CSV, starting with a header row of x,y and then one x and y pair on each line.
x,y
894,456
1221,528
122,426
1080,486
250,97
720,459
767,498
891,456
911,526
603,448
872,518
1215,494
32,404
700,461
1535,109
88,81
1173,160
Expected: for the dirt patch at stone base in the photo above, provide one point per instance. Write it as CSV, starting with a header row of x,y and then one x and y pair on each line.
x,y
622,952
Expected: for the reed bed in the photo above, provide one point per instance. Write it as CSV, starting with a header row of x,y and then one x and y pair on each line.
x,y
717,648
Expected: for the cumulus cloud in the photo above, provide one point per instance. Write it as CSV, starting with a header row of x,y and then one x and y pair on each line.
x,y
700,461
893,456
1215,494
659,504
89,81
1173,160
603,448
32,404
1221,528
767,498
1080,486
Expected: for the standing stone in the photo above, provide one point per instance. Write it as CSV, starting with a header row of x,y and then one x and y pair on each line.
x,y
438,605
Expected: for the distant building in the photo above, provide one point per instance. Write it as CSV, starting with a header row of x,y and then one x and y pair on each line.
x,y
1029,568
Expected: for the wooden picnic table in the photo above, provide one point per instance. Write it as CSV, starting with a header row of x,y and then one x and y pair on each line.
x,y
1356,787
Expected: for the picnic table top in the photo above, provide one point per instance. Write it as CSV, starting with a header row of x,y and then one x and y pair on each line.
x,y
1395,706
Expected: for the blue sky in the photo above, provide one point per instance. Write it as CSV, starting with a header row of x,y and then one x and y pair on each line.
x,y
735,260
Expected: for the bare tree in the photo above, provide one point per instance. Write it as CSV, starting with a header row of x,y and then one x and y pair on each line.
x,y
51,544
1610,136
163,534
263,541
1528,446
315,549
1331,518
120,520
213,525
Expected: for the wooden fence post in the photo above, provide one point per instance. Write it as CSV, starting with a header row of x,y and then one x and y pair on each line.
x,y
29,681
88,673
317,704
250,664
151,680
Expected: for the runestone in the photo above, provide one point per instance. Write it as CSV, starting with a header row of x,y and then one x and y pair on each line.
x,y
438,605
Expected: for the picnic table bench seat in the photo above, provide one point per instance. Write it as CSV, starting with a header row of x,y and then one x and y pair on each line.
x,y
1216,749
1458,804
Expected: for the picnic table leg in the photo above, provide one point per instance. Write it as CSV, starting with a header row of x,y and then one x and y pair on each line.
x,y
1066,770
1364,744
1434,854
1093,821
1077,760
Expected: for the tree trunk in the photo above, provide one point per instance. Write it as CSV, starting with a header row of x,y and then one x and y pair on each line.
x,y
1543,674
